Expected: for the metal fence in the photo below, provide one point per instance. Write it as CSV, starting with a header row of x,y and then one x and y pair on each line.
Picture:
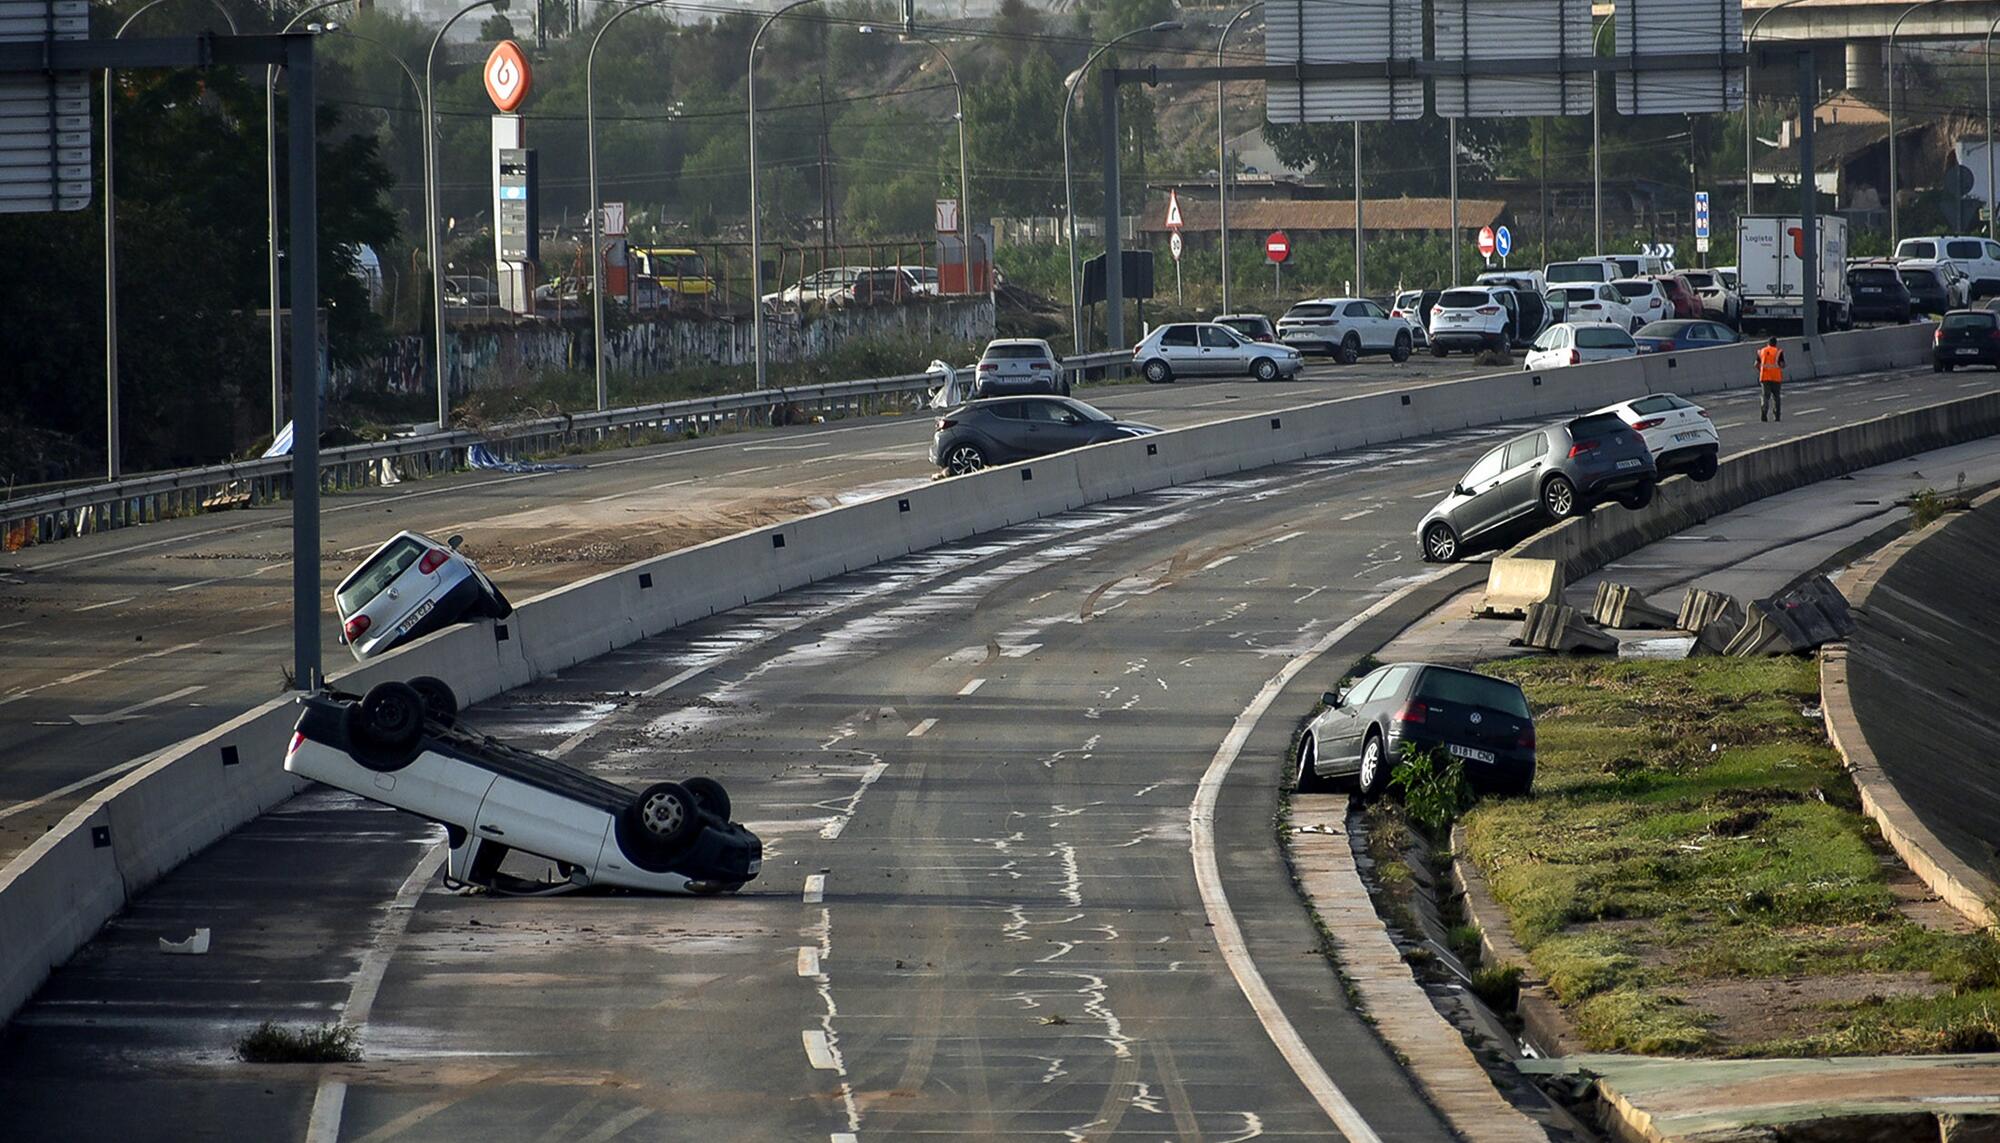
x,y
180,492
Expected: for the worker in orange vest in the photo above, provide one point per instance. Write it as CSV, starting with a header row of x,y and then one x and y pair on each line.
x,y
1770,379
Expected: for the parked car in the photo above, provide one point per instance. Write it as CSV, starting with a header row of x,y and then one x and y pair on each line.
x,y
1879,293
1347,328
1966,337
468,290
882,287
1977,259
1681,336
926,278
1599,270
1530,305
1360,738
1681,295
1019,365
1931,288
1550,473
1583,301
1647,299
408,588
1205,349
1719,301
1256,327
1472,318
819,286
1008,429
1728,276
1679,433
1414,307
401,745
1578,343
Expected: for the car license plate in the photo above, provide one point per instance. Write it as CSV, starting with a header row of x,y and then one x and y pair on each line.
x,y
416,616
1634,463
1678,437
1470,753
1968,352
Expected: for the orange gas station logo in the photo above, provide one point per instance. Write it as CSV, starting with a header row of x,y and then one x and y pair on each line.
x,y
507,76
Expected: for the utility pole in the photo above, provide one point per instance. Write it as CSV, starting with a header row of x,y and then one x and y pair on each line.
x,y
1545,190
826,235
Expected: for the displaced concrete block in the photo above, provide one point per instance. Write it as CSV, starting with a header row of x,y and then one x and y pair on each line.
x,y
1797,619
1555,627
1617,605
1512,585
1699,606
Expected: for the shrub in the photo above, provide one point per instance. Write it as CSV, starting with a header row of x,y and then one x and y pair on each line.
x,y
327,1044
1435,791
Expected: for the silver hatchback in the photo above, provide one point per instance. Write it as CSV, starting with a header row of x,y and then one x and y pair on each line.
x,y
1548,474
1206,349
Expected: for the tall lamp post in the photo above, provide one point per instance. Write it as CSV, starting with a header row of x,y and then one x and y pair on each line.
x,y
958,114
1895,231
1074,82
1749,118
756,224
271,218
112,467
431,211
1989,124
1222,155
1596,146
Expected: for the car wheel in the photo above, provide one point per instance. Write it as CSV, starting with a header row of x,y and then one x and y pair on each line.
x,y
1638,497
963,459
1401,352
1506,338
440,704
1374,776
657,825
1440,543
1065,389
1438,350
1559,497
1637,325
1704,467
1264,369
1157,372
709,797
1944,366
386,725
1307,780
1937,367
1349,351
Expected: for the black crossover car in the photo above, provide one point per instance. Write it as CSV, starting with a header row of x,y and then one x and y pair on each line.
x,y
1477,719
1966,337
1003,430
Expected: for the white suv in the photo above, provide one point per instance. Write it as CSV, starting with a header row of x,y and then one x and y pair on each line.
x,y
1586,301
1473,318
1647,299
1345,328
1978,258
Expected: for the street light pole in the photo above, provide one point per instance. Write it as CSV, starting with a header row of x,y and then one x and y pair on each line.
x,y
1895,225
756,224
271,220
431,179
1074,82
112,466
958,114
1749,117
1989,124
1597,146
1222,155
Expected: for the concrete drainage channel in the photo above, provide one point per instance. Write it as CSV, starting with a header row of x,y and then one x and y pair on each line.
x,y
56,894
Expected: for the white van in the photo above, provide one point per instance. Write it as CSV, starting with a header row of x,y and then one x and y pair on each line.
x,y
1978,258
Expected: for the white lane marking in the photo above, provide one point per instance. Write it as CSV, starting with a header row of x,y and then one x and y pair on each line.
x,y
785,447
922,728
1208,878
616,1125
970,687
93,672
11,626
1206,404
1212,565
198,583
1356,515
832,830
1821,409
265,627
815,891
1974,384
135,708
818,1052
331,1097
843,1137
1733,425
1286,536
1020,650
82,783
640,491
808,961
107,603
1428,495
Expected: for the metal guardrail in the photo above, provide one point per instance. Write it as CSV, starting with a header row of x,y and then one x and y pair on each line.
x,y
157,496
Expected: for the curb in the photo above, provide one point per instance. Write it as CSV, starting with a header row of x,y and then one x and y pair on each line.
x,y
1543,1023
1961,886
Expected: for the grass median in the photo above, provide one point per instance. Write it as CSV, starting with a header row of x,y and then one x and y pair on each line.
x,y
1694,874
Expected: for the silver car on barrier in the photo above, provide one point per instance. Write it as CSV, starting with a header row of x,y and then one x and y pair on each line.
x,y
1550,473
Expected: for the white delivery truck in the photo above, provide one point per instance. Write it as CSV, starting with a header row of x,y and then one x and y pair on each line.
x,y
1770,273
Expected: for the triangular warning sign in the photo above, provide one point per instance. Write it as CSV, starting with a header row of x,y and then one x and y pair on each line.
x,y
1173,210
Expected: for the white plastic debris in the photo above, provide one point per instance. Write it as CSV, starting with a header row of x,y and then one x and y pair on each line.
x,y
195,945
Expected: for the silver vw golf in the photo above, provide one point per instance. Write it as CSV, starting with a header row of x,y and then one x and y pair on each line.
x,y
1548,474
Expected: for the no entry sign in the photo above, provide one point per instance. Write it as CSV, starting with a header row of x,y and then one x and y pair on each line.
x,y
1486,242
1277,247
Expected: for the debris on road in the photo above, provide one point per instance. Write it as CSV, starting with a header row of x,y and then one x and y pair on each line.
x,y
196,945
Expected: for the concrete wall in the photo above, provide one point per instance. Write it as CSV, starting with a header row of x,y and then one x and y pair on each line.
x,y
55,896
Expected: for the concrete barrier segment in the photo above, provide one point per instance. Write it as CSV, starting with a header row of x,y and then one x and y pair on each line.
x,y
1557,627
1514,584
1618,605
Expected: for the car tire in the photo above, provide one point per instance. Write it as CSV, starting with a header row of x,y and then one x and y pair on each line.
x,y
1349,351
1157,372
1437,349
1264,369
1374,776
1304,779
1637,497
1065,388
1637,325
709,797
1704,467
440,704
1944,367
1937,367
1440,543
385,727
1401,351
1559,498
657,825
964,459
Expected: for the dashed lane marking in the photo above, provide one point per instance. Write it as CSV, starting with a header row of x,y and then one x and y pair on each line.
x,y
815,891
808,961
922,728
970,687
818,1052
106,603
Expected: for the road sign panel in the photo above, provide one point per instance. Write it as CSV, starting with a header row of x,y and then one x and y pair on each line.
x,y
1503,242
1174,244
1498,30
1277,247
1486,241
1371,33
508,77
947,216
45,134
1676,28
1701,214
1174,211
614,220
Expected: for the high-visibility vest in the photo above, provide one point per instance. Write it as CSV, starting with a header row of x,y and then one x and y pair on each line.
x,y
1770,364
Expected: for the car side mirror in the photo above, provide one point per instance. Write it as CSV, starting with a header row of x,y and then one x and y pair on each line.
x,y
1332,698
455,541
1460,490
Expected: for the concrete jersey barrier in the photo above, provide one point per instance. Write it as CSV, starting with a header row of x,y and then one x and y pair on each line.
x,y
59,892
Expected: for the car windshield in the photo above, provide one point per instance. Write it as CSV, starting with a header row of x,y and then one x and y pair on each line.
x,y
1635,289
1576,272
1882,277
1309,310
1664,329
1409,300
1920,279
1464,299
1087,412
1245,325
1016,352
1602,337
374,577
1463,688
1969,321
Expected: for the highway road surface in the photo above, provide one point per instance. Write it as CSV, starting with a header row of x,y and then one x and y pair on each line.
x,y
973,769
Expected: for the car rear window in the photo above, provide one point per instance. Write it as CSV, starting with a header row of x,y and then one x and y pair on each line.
x,y
1700,281
1917,250
1309,311
1464,299
1575,293
1961,249
1015,352
1881,277
1635,289
1594,425
1576,272
1922,279
374,577
1595,337
1463,688
1969,321
1658,403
